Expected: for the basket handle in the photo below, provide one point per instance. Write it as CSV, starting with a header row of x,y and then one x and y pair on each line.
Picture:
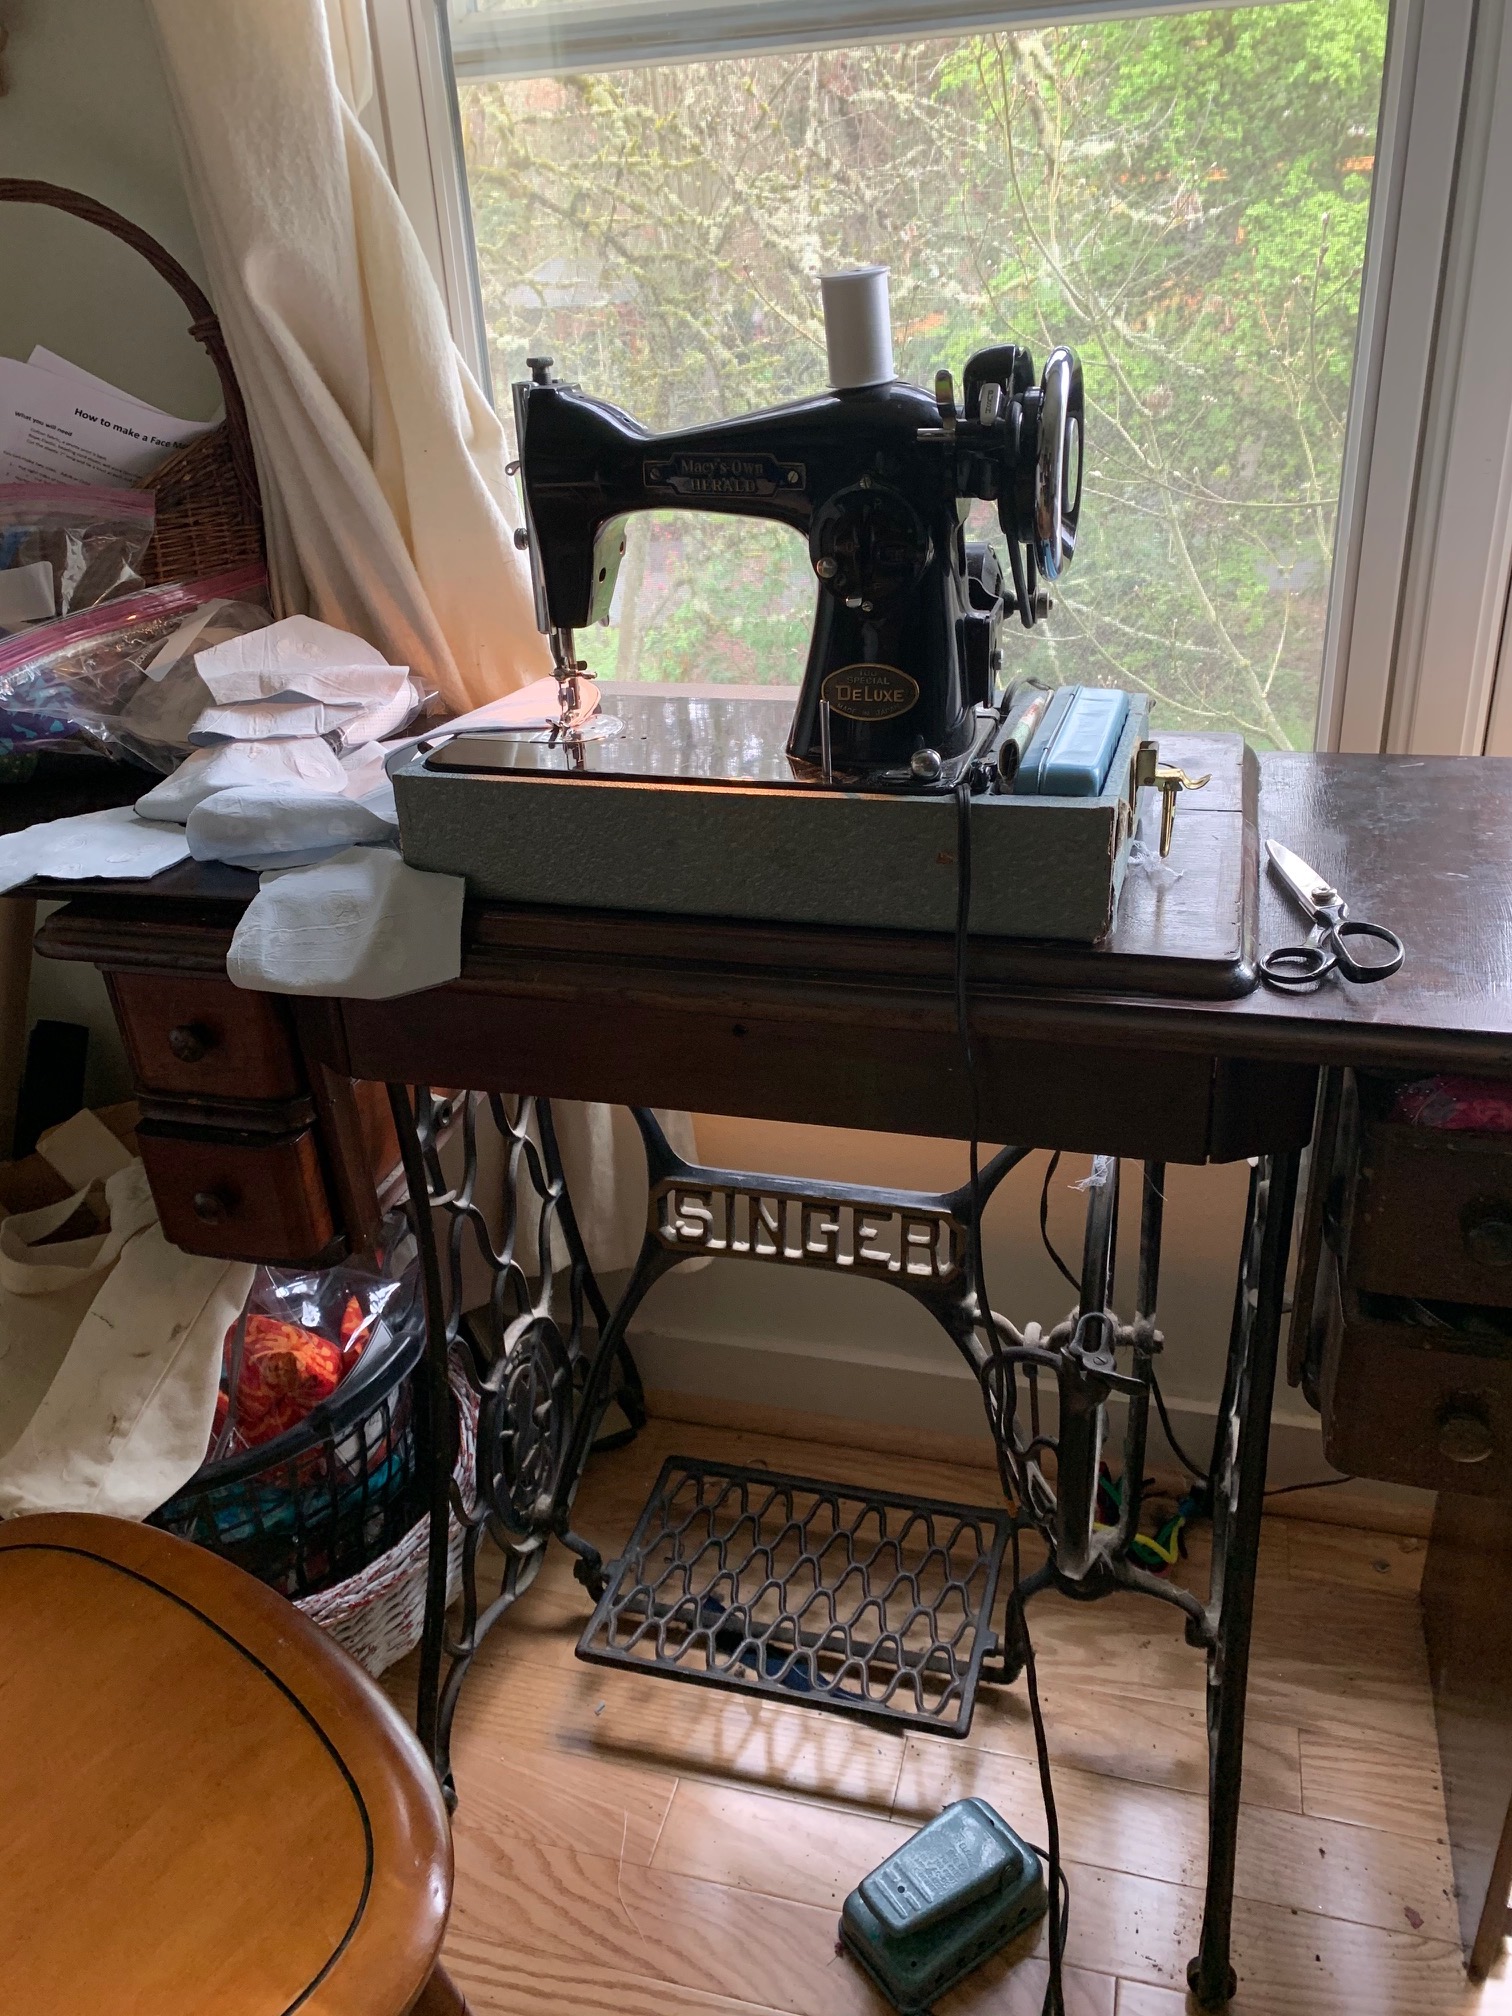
x,y
204,326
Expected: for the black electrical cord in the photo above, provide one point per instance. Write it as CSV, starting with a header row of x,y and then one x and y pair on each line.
x,y
1177,1451
1059,1900
1060,1887
1044,1216
1315,1484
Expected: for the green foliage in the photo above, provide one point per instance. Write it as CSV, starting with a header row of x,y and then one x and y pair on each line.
x,y
1185,199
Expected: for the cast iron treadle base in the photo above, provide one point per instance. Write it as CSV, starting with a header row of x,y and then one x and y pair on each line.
x,y
862,1602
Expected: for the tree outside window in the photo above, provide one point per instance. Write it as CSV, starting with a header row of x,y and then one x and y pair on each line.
x,y
1184,199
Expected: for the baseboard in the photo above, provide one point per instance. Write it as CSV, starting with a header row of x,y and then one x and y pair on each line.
x,y
898,1408
793,1424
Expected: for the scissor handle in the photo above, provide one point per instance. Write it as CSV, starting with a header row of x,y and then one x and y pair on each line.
x,y
1297,965
1374,969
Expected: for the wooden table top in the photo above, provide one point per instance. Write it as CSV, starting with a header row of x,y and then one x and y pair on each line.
x,y
1423,844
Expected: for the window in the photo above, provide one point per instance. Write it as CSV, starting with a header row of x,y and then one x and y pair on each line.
x,y
1260,224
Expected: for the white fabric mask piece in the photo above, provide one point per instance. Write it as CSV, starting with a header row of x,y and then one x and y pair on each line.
x,y
379,800
363,925
366,772
268,721
537,705
311,766
90,846
27,595
298,656
346,725
382,717
112,1347
263,827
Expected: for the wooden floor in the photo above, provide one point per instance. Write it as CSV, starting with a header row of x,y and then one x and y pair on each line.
x,y
628,1846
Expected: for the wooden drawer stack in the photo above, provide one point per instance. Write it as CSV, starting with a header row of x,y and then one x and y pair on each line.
x,y
250,1155
1416,1395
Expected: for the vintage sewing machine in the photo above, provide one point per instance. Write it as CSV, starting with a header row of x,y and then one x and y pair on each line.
x,y
844,811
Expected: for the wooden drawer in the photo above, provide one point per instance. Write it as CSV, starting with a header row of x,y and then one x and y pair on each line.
x,y
241,1196
1412,1405
1431,1213
195,1035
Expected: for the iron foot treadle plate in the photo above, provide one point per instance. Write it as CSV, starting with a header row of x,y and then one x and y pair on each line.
x,y
865,1603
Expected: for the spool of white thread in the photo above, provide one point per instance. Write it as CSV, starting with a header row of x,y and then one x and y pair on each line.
x,y
857,327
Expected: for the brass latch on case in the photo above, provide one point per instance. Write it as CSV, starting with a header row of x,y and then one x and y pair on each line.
x,y
1167,779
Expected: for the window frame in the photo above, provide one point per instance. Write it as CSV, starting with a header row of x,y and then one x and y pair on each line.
x,y
1417,650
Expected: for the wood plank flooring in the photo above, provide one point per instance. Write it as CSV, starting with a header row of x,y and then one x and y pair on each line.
x,y
630,1847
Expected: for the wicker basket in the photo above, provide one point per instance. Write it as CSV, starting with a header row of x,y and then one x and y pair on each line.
x,y
377,1615
209,508
318,1504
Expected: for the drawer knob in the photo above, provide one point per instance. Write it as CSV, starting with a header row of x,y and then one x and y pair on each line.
x,y
212,1206
1465,1435
1487,1229
189,1041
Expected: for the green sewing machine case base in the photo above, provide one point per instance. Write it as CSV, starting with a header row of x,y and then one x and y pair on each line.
x,y
692,812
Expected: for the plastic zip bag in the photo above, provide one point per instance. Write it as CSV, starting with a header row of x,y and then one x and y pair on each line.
x,y
298,1336
120,680
65,547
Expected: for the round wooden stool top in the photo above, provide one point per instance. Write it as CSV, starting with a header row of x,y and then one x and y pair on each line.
x,y
206,1806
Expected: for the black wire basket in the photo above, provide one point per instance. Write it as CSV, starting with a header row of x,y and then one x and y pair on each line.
x,y
320,1502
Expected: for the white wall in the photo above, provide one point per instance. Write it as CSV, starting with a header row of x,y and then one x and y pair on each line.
x,y
780,1337
87,107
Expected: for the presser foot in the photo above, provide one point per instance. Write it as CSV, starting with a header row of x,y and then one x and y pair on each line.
x,y
581,717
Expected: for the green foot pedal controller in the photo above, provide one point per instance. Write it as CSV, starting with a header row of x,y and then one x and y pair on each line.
x,y
942,1904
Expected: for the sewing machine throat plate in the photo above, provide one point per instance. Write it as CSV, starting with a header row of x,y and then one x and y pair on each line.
x,y
667,739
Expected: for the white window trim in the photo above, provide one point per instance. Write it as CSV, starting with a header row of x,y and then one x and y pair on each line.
x,y
413,122
1418,649
628,34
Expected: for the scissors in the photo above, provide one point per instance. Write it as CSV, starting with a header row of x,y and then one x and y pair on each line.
x,y
1327,948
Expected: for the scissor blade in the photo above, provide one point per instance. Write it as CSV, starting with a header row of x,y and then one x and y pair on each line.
x,y
1306,884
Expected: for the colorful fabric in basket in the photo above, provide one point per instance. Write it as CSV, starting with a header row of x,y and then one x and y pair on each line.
x,y
285,1372
1456,1105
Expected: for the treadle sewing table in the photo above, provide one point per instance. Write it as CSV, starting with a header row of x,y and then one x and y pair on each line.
x,y
265,1128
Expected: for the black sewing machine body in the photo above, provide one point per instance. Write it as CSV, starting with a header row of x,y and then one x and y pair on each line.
x,y
846,470
878,480
840,809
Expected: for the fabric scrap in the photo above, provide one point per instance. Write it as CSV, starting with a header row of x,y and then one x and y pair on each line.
x,y
114,845
363,925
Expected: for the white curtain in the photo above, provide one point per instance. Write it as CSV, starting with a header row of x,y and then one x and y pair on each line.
x,y
388,508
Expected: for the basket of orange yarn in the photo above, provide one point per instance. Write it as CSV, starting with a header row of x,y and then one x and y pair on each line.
x,y
312,1469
